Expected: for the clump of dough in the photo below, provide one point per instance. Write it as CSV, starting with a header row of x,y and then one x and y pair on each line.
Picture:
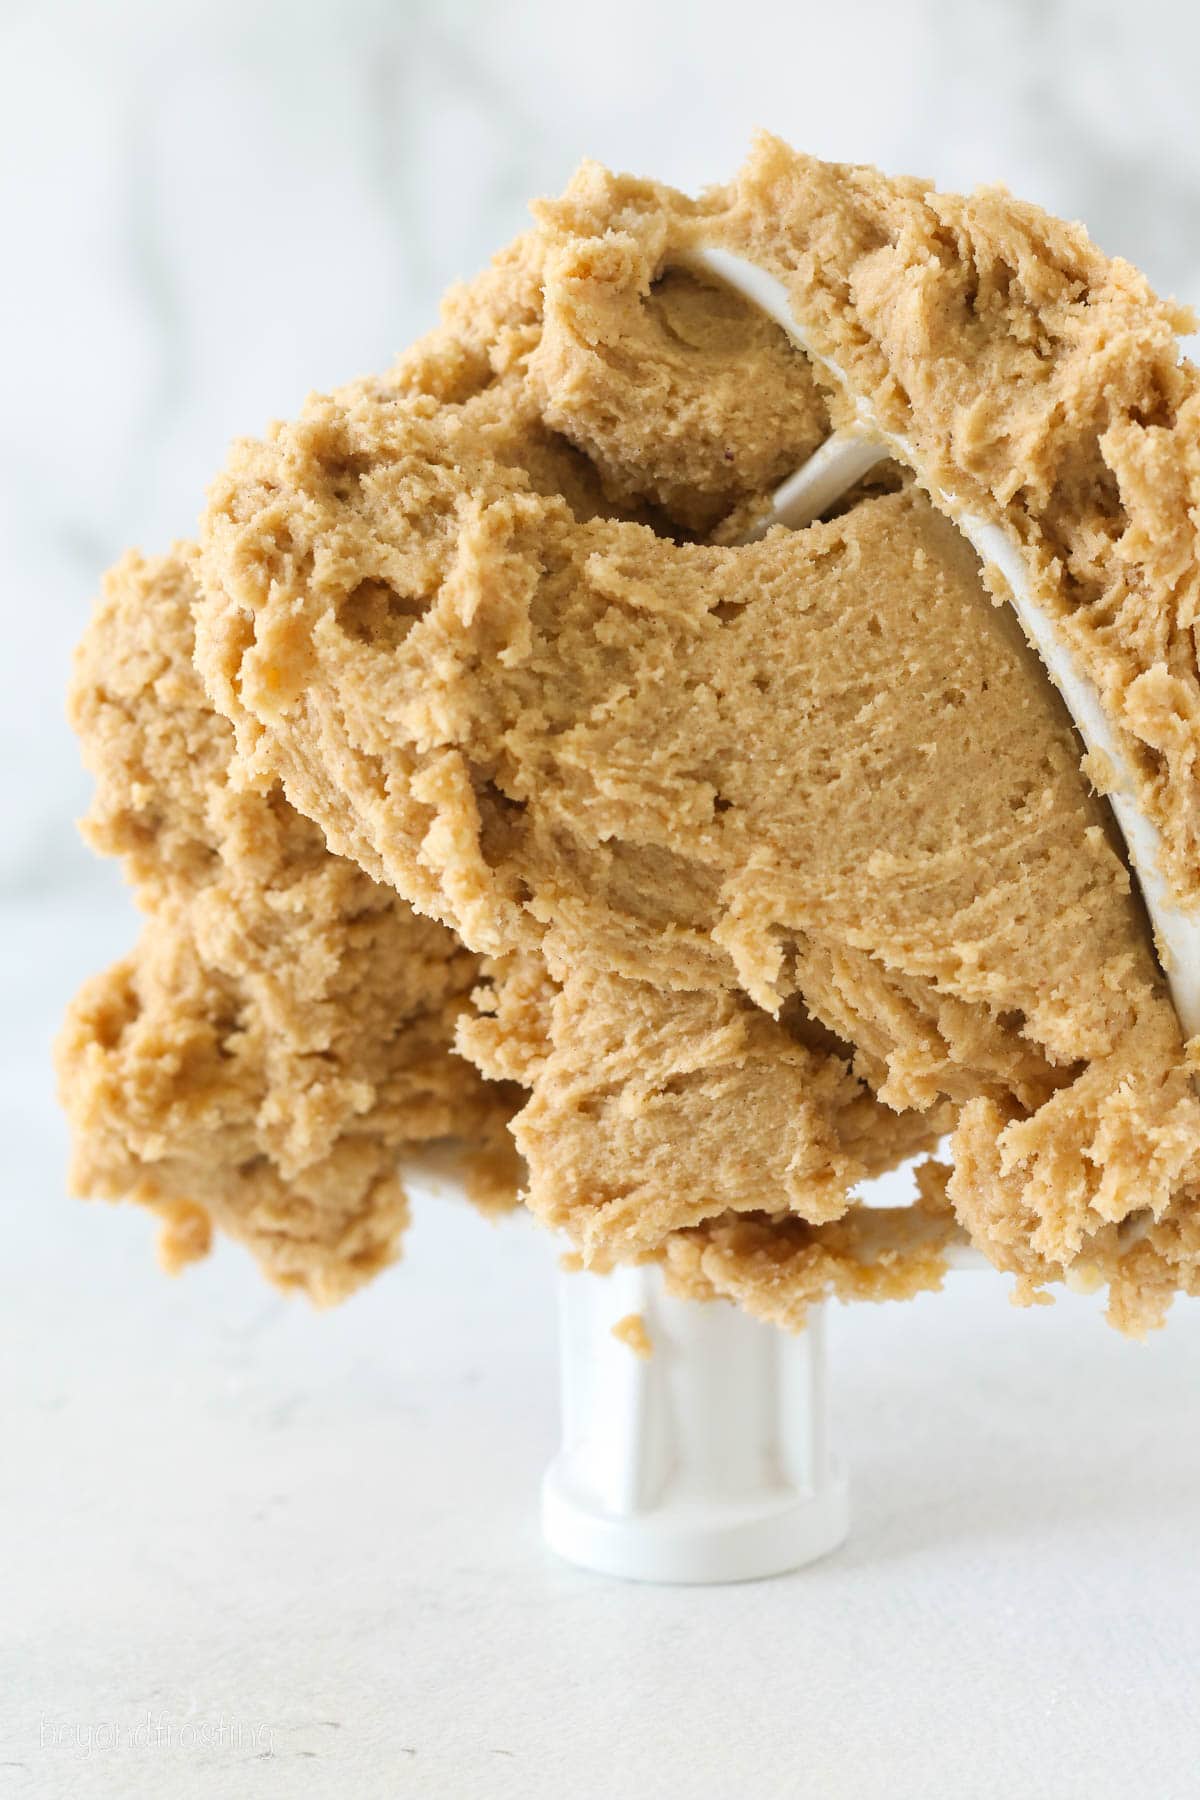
x,y
781,851
282,1033
770,863
730,406
1038,380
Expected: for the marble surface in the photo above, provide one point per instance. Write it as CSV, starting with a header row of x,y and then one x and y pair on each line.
x,y
248,1549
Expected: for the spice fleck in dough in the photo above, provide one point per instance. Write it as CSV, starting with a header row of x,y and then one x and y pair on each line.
x,y
282,1033
779,854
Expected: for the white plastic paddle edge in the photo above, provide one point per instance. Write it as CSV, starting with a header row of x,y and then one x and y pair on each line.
x,y
844,458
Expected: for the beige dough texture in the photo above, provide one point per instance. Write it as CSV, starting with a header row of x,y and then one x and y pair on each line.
x,y
773,863
282,1033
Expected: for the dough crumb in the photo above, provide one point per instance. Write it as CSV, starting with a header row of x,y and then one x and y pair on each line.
x,y
631,1330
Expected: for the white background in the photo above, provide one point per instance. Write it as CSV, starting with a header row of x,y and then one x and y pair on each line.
x,y
229,1524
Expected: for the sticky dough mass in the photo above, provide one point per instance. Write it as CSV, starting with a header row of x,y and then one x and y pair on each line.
x,y
283,1031
777,857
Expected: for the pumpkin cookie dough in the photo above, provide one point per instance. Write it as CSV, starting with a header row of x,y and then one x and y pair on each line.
x,y
742,863
780,852
282,1033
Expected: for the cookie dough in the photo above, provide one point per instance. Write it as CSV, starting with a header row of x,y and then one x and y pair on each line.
x,y
282,1033
731,868
780,853
1040,383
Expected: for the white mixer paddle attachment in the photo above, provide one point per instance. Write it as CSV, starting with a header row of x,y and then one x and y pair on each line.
x,y
708,1459
695,1438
